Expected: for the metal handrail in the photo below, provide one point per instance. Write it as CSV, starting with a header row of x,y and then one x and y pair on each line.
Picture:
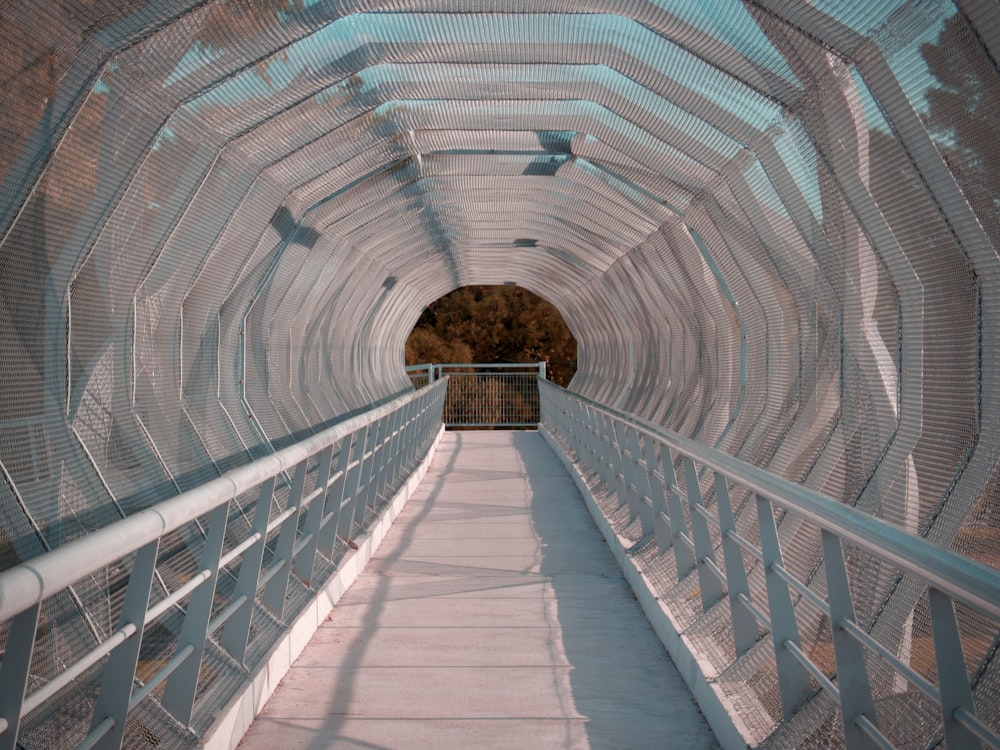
x,y
436,370
485,394
961,577
375,449
620,447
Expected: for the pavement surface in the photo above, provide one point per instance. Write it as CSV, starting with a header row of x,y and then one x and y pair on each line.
x,y
492,616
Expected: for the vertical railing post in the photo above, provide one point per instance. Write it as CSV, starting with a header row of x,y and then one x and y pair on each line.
x,y
415,431
305,560
382,480
574,421
236,631
597,444
627,471
852,676
683,555
365,485
334,505
793,680
580,414
111,708
563,420
276,589
393,448
357,482
385,450
179,693
657,493
953,679
590,438
417,415
641,479
348,506
744,623
622,485
14,672
411,435
614,453
708,582
371,468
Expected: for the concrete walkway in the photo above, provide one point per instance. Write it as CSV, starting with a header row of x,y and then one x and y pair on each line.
x,y
492,616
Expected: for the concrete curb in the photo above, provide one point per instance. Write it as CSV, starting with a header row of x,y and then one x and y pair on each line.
x,y
719,713
233,720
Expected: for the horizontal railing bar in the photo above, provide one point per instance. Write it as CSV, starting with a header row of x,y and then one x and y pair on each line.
x,y
279,519
922,684
239,549
163,673
487,365
93,656
270,573
960,577
745,545
489,424
226,613
811,668
175,596
974,725
804,590
106,646
716,571
96,734
310,496
301,543
758,614
708,515
34,580
334,476
865,725
683,536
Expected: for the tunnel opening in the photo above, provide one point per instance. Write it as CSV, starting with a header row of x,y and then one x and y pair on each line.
x,y
494,323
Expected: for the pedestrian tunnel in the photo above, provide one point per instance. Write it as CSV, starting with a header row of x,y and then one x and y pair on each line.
x,y
771,228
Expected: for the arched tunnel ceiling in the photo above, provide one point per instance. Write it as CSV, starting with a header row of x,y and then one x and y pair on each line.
x,y
771,226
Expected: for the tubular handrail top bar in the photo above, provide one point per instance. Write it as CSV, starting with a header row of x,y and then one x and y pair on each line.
x,y
441,366
36,579
960,577
497,365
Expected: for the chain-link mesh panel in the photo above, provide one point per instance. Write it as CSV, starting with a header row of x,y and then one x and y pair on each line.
x,y
772,229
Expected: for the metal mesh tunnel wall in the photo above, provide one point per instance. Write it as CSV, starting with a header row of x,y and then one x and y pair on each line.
x,y
770,226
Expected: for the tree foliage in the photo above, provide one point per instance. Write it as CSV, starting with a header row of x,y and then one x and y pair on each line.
x,y
964,117
494,324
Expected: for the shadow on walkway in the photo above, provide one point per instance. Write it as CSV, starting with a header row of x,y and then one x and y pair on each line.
x,y
622,680
492,616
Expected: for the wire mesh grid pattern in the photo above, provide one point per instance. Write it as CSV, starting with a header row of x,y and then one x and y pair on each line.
x,y
491,395
209,580
771,227
787,640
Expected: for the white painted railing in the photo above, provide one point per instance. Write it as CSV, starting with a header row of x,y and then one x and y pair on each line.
x,y
259,525
486,395
639,462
